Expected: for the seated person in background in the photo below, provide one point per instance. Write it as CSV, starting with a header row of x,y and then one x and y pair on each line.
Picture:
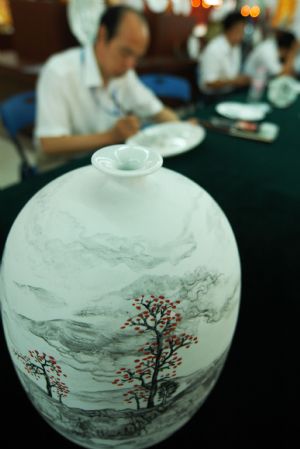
x,y
91,97
220,65
275,55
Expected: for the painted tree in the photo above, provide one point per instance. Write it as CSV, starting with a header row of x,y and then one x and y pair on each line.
x,y
41,365
159,358
138,394
166,390
62,389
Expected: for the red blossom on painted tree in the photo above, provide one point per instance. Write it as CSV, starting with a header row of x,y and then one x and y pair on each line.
x,y
42,365
62,389
159,358
137,394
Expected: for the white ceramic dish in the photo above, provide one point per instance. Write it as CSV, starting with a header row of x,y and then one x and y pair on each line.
x,y
236,111
170,138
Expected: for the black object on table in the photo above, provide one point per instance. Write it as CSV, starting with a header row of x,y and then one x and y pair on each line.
x,y
254,404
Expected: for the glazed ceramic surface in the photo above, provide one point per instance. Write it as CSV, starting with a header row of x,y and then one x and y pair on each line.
x,y
120,296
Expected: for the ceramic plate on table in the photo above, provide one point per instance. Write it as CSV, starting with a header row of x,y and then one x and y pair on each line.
x,y
242,111
169,138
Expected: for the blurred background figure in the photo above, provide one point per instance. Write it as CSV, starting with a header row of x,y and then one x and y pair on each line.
x,y
197,41
275,55
216,17
220,64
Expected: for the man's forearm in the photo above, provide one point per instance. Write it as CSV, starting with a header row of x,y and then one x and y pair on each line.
x,y
219,84
165,115
68,145
239,81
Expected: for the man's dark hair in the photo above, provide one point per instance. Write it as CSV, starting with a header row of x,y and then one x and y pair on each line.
x,y
232,19
113,16
284,39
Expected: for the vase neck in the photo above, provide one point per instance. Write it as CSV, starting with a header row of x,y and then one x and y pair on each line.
x,y
127,161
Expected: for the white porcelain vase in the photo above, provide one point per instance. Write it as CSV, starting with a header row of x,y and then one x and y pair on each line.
x,y
120,290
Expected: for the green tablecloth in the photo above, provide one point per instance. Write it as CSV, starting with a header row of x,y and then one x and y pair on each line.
x,y
258,187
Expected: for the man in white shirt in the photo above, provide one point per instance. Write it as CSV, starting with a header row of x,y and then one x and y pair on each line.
x,y
91,97
275,55
220,64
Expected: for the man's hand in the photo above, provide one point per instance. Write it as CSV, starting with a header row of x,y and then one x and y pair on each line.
x,y
192,121
124,128
241,81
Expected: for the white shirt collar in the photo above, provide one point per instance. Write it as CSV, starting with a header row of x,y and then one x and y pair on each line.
x,y
91,73
227,46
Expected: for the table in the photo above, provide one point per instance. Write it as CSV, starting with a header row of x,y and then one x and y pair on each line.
x,y
253,405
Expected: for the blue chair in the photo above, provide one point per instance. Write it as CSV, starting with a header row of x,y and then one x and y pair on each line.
x,y
17,114
168,86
